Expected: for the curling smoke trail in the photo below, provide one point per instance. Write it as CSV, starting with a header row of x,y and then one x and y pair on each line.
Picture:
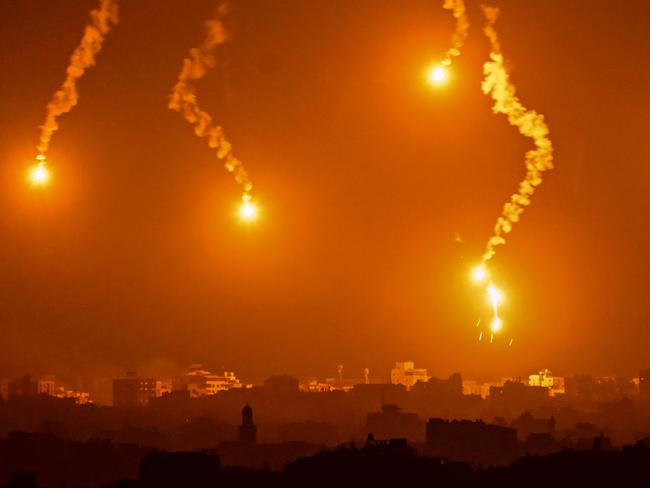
x,y
183,99
530,123
462,26
101,20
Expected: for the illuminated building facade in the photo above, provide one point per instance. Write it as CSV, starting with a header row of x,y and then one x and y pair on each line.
x,y
545,378
200,382
405,373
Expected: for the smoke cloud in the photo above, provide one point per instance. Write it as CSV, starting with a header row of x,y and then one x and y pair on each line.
x,y
530,123
65,98
462,27
183,99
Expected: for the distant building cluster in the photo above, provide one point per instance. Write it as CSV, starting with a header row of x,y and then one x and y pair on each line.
x,y
47,385
134,391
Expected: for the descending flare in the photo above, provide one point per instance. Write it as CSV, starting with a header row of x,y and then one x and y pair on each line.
x,y
530,123
39,174
183,99
248,211
462,26
437,75
480,273
66,97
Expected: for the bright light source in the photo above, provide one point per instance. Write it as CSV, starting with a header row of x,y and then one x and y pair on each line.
x,y
496,326
248,211
39,174
480,273
495,295
438,75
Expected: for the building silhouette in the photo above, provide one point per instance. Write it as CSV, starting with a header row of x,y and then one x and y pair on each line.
x,y
471,441
391,422
247,432
133,391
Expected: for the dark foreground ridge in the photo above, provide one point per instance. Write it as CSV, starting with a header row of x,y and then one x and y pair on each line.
x,y
388,463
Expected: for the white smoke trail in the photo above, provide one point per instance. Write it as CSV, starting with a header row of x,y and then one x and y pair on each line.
x,y
183,99
462,27
101,20
530,123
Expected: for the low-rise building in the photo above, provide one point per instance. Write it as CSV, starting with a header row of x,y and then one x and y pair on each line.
x,y
405,373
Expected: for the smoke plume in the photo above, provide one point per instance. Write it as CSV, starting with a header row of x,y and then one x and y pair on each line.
x,y
183,99
101,20
462,26
530,123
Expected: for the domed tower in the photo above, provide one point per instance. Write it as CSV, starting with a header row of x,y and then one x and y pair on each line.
x,y
247,429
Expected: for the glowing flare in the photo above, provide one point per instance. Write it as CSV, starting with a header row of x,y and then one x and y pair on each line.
x,y
495,295
248,211
39,174
438,75
496,325
479,274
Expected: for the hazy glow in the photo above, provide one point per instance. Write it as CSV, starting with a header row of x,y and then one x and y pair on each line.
x,y
248,211
438,75
39,174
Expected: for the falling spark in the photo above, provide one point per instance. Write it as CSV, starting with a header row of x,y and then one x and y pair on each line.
x,y
530,123
478,322
462,26
491,338
183,99
480,337
510,343
66,97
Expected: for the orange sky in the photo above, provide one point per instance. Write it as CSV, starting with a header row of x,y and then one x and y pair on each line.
x,y
132,256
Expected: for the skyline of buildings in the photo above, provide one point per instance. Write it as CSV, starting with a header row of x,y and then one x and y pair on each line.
x,y
132,390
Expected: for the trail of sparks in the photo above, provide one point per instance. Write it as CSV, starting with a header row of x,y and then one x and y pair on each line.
x,y
65,98
183,99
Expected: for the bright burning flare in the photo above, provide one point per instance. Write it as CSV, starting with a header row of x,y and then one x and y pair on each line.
x,y
39,175
497,324
495,295
248,211
479,274
438,75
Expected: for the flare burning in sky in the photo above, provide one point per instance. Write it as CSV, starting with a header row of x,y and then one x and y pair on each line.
x,y
531,124
439,74
66,97
183,99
